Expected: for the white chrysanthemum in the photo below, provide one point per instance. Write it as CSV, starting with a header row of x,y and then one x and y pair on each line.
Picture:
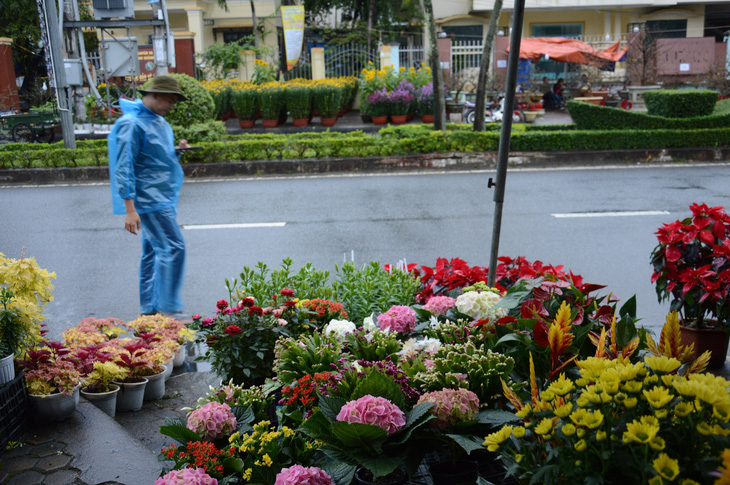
x,y
478,305
368,323
430,345
410,348
339,328
433,322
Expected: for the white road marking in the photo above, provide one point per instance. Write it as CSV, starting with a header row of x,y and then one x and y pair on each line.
x,y
609,214
234,226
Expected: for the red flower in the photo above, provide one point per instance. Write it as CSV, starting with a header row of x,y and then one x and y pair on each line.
x,y
287,292
256,310
233,330
247,302
222,304
290,303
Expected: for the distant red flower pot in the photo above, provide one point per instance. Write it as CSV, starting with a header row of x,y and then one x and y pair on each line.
x,y
270,123
427,118
329,121
246,124
379,120
410,116
398,119
300,123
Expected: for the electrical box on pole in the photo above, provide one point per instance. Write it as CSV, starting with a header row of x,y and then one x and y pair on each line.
x,y
113,9
121,56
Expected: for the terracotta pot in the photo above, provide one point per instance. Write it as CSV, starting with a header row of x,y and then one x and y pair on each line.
x,y
329,121
380,120
712,339
300,123
398,119
246,124
270,123
427,118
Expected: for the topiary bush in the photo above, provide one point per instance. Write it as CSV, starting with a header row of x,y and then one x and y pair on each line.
x,y
200,132
199,107
680,103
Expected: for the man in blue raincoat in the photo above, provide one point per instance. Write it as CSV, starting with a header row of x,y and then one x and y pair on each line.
x,y
146,177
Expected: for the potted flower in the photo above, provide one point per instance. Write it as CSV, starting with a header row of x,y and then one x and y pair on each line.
x,y
424,95
52,380
401,100
245,104
327,101
378,106
692,270
369,429
271,102
14,335
299,103
132,355
99,389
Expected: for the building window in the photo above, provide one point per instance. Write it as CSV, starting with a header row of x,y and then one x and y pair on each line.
x,y
667,29
571,31
464,32
231,34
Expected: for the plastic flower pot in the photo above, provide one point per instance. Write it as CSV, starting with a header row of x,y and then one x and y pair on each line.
x,y
155,387
270,123
300,123
131,394
180,356
712,339
106,401
7,369
329,121
246,124
56,406
398,119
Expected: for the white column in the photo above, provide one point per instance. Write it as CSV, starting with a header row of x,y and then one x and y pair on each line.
x,y
195,25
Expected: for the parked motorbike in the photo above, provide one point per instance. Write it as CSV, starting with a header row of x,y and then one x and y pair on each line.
x,y
494,112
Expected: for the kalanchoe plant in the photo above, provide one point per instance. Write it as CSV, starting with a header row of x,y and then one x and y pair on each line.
x,y
692,266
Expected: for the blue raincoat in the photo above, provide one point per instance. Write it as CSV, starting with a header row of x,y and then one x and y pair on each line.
x,y
143,164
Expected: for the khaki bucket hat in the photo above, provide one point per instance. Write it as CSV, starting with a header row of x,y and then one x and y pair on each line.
x,y
164,84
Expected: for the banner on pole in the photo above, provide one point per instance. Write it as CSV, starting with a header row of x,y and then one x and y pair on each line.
x,y
292,18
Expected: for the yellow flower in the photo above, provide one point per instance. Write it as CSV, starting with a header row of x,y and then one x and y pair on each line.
x,y
632,386
581,445
247,474
518,458
233,437
639,432
704,428
658,443
547,396
630,402
525,412
568,429
267,460
666,467
600,436
658,397
683,409
545,427
564,410
657,480
494,440
661,364
561,386
518,431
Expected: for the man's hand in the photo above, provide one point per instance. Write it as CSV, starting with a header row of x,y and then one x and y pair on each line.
x,y
183,144
131,221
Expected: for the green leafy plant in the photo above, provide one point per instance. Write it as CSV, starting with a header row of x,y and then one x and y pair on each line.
x,y
271,100
327,99
14,334
261,283
245,103
223,57
99,380
298,101
680,103
307,355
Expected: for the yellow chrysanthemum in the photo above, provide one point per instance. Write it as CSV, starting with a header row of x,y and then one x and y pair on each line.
x,y
564,410
495,440
632,387
662,364
666,467
545,427
525,412
637,432
568,429
601,435
518,431
561,386
631,402
581,445
704,428
657,443
658,396
683,409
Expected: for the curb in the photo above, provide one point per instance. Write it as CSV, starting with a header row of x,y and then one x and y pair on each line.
x,y
422,162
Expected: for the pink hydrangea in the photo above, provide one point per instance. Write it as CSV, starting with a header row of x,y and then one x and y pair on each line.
x,y
438,305
187,476
212,421
451,406
399,318
377,411
299,475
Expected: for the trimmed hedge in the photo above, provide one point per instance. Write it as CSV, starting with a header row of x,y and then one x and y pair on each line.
x,y
394,140
680,103
591,117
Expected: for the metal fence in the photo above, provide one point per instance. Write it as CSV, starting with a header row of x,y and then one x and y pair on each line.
x,y
412,56
466,54
348,59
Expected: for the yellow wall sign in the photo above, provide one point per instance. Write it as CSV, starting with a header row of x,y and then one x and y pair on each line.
x,y
292,18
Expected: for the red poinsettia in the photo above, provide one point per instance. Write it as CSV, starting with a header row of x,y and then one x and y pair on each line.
x,y
692,265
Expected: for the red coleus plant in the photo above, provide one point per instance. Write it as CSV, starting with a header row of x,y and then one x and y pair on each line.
x,y
692,266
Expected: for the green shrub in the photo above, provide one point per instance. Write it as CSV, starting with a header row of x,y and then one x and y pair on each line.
x,y
198,108
298,101
591,117
680,103
245,103
200,132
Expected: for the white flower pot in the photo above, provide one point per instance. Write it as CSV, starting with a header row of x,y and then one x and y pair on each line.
x,y
182,353
168,370
155,387
57,406
7,369
131,395
106,401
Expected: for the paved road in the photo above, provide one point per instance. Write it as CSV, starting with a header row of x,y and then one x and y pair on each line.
x,y
71,231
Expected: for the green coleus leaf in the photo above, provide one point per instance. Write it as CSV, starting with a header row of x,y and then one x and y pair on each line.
x,y
180,434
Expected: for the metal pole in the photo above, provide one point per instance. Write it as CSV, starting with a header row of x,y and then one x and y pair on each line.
x,y
59,71
503,155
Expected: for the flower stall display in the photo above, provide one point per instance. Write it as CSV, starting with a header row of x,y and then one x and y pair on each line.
x,y
692,271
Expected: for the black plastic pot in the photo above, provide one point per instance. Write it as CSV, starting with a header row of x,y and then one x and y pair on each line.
x,y
460,472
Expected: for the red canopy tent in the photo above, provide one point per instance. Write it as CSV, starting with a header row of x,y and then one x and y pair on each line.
x,y
569,50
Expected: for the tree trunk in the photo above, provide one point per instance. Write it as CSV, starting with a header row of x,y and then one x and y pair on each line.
x,y
481,101
255,26
439,111
371,17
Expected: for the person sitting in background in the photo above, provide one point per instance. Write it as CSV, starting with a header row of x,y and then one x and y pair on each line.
x,y
558,93
548,98
585,86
